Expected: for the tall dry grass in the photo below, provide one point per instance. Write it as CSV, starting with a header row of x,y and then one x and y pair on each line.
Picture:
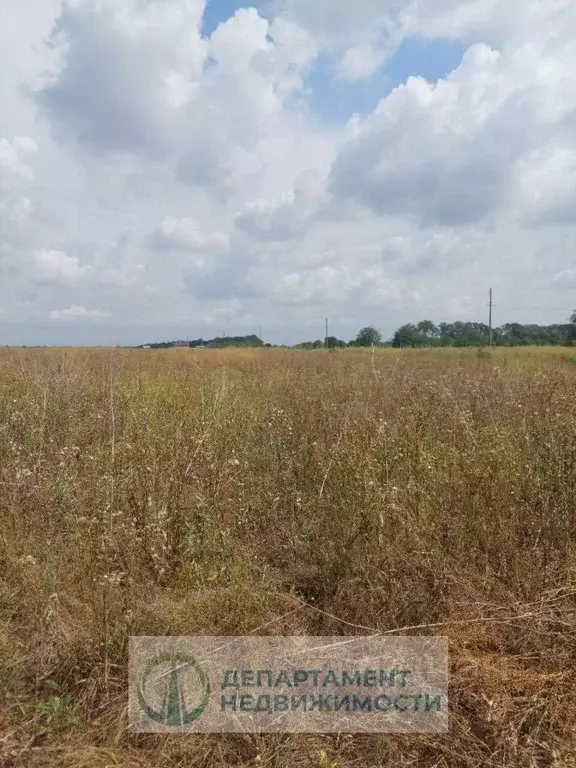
x,y
224,492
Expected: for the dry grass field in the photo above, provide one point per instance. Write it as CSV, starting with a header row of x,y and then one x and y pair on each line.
x,y
282,492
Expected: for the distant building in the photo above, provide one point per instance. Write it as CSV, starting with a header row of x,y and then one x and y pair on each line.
x,y
181,344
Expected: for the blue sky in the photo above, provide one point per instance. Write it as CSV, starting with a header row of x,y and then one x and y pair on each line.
x,y
336,99
218,11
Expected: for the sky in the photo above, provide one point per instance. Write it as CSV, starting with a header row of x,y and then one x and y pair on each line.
x,y
183,168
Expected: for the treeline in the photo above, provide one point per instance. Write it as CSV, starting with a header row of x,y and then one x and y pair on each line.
x,y
458,334
218,343
422,334
367,337
461,334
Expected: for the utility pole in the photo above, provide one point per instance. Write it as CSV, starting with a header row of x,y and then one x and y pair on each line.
x,y
326,337
490,318
260,333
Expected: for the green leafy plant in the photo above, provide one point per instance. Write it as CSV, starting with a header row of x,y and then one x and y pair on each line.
x,y
57,712
325,760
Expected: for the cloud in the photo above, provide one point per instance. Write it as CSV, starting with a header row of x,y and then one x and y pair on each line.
x,y
172,178
336,22
228,277
12,156
174,233
361,62
113,267
340,283
284,217
545,185
566,277
76,313
270,219
56,265
363,34
441,251
446,153
229,312
122,69
15,178
162,91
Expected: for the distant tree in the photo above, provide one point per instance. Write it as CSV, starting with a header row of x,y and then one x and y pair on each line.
x,y
470,334
235,341
368,337
318,344
427,328
333,343
409,335
570,338
228,341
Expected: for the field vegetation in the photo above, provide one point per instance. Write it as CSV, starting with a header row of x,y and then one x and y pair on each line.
x,y
227,492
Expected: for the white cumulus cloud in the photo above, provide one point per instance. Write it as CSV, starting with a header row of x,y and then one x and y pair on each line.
x,y
75,313
187,233
246,177
57,265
